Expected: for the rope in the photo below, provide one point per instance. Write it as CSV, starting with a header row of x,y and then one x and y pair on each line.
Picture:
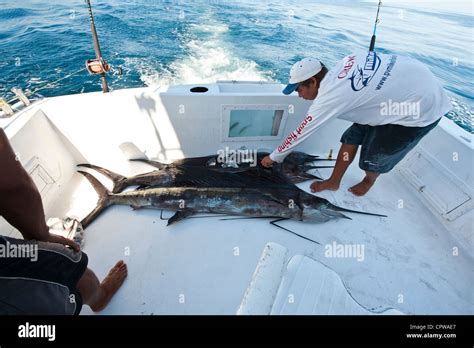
x,y
46,85
29,93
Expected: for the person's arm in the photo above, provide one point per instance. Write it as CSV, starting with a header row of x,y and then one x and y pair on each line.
x,y
312,122
20,201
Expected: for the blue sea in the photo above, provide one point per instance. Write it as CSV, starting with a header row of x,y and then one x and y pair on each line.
x,y
172,42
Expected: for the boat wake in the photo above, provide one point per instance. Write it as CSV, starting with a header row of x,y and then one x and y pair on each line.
x,y
209,58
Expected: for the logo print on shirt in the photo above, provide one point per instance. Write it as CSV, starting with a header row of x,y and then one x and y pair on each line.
x,y
347,67
293,136
361,76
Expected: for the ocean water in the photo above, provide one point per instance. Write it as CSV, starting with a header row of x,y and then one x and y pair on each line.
x,y
172,42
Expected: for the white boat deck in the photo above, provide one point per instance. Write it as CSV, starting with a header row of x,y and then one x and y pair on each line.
x,y
409,254
414,261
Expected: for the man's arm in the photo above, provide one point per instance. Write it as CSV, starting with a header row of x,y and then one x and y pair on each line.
x,y
306,128
20,201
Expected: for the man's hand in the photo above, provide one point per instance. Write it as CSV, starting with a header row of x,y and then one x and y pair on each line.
x,y
54,238
267,162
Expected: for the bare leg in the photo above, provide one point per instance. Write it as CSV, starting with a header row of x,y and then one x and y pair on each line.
x,y
364,186
97,295
345,157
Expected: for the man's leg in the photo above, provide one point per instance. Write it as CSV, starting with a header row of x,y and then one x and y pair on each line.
x,y
98,295
381,151
364,186
345,157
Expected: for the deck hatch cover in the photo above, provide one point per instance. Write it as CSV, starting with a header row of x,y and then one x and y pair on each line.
x,y
40,175
442,191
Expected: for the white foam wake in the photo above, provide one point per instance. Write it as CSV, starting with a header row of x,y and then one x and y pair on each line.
x,y
210,58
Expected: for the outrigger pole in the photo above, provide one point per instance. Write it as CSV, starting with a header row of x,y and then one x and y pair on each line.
x,y
98,65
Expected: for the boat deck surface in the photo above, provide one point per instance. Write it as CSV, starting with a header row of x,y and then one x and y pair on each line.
x,y
204,265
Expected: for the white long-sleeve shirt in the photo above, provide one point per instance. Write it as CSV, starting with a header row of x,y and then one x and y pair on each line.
x,y
373,89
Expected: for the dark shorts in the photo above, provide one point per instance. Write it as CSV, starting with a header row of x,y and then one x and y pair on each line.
x,y
39,278
384,146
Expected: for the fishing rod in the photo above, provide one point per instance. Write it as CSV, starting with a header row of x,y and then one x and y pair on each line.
x,y
372,41
98,65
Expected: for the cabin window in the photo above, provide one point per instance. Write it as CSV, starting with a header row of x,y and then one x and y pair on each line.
x,y
254,123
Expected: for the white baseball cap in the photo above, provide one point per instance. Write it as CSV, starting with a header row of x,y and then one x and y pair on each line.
x,y
301,71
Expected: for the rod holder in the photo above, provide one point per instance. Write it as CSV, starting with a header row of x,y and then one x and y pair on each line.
x,y
7,109
21,96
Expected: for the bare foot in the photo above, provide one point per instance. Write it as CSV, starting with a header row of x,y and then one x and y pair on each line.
x,y
318,186
362,188
110,285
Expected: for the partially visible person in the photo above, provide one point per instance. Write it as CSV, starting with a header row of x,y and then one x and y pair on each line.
x,y
53,278
392,100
